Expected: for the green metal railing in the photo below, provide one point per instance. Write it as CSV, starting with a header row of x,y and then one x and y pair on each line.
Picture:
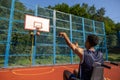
x,y
49,48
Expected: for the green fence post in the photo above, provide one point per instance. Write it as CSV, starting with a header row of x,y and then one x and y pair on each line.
x,y
105,43
94,27
7,51
54,37
71,53
83,26
35,38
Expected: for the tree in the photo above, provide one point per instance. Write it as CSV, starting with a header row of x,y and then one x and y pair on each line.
x,y
20,6
62,7
101,12
92,10
111,41
5,3
109,25
85,6
77,10
117,27
84,9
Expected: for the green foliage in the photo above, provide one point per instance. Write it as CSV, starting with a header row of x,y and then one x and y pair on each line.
x,y
92,10
20,44
88,12
77,10
62,59
21,41
44,60
19,61
85,6
109,25
101,12
111,41
1,61
20,6
117,27
62,7
114,57
5,3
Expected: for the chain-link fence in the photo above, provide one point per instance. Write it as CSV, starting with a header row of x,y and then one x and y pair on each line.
x,y
16,43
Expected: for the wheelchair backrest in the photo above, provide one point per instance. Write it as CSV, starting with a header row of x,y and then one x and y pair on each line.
x,y
97,73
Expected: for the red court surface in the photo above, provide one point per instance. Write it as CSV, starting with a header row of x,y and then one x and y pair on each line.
x,y
50,72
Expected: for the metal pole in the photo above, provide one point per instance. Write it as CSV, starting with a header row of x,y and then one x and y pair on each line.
x,y
32,37
34,40
83,30
94,27
9,34
105,43
54,37
71,53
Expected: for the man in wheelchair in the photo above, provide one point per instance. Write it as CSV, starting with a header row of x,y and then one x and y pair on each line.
x,y
87,57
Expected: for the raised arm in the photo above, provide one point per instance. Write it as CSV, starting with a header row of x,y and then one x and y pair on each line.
x,y
73,46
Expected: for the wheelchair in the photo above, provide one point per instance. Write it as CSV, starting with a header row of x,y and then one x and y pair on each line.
x,y
98,71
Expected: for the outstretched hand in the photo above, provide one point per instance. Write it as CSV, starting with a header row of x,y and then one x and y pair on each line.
x,y
62,34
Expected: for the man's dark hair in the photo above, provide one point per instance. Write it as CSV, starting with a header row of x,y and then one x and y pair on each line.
x,y
93,40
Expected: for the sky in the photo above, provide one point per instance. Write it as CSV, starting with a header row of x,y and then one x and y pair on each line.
x,y
112,7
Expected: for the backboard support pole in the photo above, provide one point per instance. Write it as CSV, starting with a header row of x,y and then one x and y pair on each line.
x,y
34,41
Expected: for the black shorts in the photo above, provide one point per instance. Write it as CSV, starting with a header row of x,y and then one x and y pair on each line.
x,y
72,77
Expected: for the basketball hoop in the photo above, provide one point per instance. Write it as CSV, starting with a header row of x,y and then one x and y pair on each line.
x,y
38,28
36,23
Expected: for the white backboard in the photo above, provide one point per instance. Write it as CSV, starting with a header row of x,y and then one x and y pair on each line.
x,y
34,22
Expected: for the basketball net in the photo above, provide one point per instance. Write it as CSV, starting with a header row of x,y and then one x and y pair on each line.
x,y
38,29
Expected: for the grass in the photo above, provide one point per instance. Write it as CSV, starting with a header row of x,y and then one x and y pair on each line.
x,y
46,60
114,57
